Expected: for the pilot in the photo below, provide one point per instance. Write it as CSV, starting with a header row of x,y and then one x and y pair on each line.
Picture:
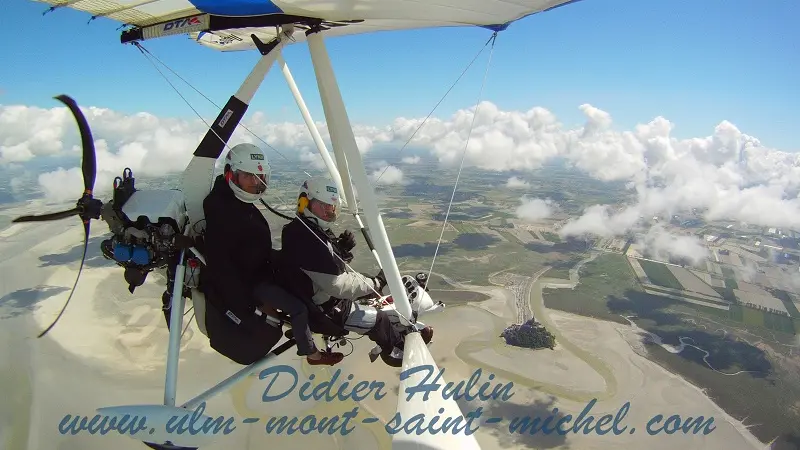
x,y
310,245
240,270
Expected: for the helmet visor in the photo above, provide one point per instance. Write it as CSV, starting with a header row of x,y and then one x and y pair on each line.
x,y
324,211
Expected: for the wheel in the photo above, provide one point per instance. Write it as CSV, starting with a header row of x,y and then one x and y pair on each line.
x,y
167,446
392,362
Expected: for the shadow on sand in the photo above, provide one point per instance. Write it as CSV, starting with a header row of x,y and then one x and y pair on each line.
x,y
23,301
524,434
94,257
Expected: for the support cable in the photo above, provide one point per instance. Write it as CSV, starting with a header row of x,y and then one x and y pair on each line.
x,y
464,154
491,39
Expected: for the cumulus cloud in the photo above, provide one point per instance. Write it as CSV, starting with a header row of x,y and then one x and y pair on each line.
x,y
726,174
17,184
602,221
663,245
387,175
534,209
517,183
411,160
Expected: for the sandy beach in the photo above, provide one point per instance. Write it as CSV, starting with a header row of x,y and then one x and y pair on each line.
x,y
109,349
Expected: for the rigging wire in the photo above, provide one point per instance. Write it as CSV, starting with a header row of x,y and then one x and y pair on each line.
x,y
464,154
141,49
491,39
144,50
347,266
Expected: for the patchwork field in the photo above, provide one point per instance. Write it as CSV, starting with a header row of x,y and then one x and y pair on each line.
x,y
660,274
752,304
691,282
758,300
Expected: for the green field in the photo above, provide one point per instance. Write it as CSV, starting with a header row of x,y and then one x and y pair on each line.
x,y
752,316
730,277
455,297
769,391
550,236
659,274
784,297
691,295
736,313
609,275
561,273
778,322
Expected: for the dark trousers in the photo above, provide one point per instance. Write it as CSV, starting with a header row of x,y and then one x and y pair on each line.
x,y
385,335
382,332
274,296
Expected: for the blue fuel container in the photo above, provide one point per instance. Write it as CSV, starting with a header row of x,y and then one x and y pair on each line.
x,y
131,253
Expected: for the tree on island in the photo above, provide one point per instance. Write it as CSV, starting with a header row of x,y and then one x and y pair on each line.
x,y
530,334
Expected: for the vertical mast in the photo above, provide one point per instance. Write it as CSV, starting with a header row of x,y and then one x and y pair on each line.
x,y
345,142
197,178
415,354
312,128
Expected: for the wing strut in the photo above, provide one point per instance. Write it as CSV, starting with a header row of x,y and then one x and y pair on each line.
x,y
416,353
198,176
312,127
340,175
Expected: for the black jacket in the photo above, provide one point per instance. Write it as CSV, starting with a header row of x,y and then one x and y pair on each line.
x,y
238,251
313,268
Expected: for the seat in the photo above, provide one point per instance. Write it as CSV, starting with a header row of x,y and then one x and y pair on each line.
x,y
225,337
199,304
276,318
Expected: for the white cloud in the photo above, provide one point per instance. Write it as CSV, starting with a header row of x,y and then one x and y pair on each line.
x,y
387,175
667,174
411,160
17,184
516,183
600,220
534,209
663,245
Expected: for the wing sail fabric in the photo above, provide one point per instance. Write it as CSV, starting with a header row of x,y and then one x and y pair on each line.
x,y
226,25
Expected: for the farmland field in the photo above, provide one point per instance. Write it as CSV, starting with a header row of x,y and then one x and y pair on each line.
x,y
659,274
765,301
690,282
457,296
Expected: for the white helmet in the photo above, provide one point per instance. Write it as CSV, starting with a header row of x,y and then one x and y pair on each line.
x,y
247,160
319,199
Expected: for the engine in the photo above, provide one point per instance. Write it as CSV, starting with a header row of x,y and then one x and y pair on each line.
x,y
147,227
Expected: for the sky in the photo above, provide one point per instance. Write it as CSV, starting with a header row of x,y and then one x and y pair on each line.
x,y
662,94
696,63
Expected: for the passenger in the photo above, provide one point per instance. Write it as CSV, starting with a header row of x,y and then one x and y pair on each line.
x,y
323,275
240,270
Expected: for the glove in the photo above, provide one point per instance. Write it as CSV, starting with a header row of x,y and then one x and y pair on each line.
x,y
381,279
347,257
346,241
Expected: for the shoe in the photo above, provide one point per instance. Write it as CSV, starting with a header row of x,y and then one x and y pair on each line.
x,y
427,334
328,358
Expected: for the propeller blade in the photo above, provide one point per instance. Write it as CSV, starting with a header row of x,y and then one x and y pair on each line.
x,y
46,217
89,158
83,258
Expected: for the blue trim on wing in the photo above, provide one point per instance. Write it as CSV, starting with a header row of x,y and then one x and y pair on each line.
x,y
503,26
499,27
237,7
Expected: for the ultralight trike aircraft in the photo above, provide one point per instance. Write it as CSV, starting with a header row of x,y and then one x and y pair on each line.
x,y
162,229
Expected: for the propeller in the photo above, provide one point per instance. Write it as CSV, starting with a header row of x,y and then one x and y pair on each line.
x,y
87,207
